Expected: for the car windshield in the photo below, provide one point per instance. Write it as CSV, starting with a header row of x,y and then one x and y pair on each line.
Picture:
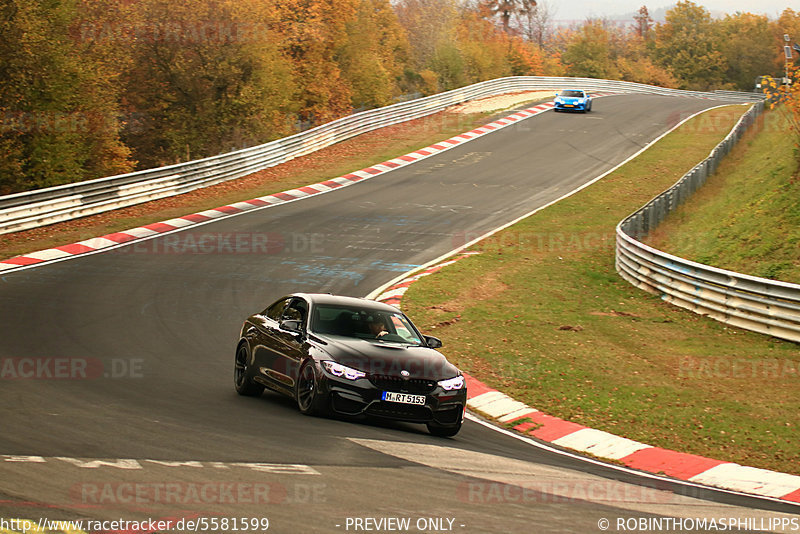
x,y
363,323
571,93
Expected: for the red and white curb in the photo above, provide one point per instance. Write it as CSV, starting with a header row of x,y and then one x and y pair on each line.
x,y
394,293
529,421
118,239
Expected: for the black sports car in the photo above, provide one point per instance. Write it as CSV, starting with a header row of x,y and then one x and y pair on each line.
x,y
350,356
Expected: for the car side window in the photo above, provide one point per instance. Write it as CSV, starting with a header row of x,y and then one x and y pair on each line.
x,y
297,311
275,311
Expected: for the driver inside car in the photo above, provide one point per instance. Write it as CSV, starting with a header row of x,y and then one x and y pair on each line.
x,y
377,326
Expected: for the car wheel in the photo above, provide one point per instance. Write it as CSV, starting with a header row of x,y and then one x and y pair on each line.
x,y
444,431
241,380
307,394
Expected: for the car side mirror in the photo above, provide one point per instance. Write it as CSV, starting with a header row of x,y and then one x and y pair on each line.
x,y
433,342
291,325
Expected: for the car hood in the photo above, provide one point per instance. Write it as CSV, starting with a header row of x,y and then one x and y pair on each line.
x,y
380,358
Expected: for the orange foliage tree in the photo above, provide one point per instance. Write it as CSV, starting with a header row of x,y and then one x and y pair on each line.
x,y
89,87
787,24
787,96
58,100
687,45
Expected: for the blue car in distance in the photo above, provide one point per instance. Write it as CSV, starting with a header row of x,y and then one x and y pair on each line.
x,y
573,100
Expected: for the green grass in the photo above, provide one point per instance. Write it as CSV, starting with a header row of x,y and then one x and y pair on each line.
x,y
542,315
747,216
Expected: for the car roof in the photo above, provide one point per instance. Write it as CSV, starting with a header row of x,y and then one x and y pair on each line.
x,y
327,298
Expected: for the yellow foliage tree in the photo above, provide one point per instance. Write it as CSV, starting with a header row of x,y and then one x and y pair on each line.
x,y
787,96
483,46
787,24
373,54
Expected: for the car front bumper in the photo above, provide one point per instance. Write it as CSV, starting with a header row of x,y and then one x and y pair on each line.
x,y
570,106
363,397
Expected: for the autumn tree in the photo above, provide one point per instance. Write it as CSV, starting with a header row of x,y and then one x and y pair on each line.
x,y
535,23
642,23
747,48
431,27
636,66
506,9
792,103
88,87
633,56
528,59
484,48
206,78
589,52
374,54
58,116
312,32
687,44
788,23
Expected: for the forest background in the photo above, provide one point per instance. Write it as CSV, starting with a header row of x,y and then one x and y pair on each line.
x,y
92,88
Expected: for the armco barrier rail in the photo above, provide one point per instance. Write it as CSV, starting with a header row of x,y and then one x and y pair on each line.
x,y
32,209
749,302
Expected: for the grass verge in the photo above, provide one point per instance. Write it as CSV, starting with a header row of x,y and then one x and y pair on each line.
x,y
542,315
746,218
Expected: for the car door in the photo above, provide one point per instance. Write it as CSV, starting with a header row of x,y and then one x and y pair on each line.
x,y
290,344
268,346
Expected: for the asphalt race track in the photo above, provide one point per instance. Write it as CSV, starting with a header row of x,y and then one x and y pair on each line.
x,y
147,334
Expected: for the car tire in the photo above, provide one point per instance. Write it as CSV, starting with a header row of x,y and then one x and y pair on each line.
x,y
241,381
306,390
443,431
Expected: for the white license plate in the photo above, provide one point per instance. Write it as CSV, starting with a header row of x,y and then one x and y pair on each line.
x,y
404,398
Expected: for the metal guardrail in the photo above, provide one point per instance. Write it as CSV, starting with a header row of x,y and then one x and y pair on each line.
x,y
758,304
41,207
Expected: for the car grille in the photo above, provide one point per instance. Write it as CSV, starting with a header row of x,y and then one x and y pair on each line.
x,y
405,412
417,386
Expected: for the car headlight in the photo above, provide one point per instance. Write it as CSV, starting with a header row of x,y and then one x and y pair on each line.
x,y
337,369
452,383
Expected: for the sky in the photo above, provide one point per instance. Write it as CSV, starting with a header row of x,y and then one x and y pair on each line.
x,y
579,10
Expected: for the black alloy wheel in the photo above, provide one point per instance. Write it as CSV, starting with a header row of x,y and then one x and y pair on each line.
x,y
242,383
307,390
